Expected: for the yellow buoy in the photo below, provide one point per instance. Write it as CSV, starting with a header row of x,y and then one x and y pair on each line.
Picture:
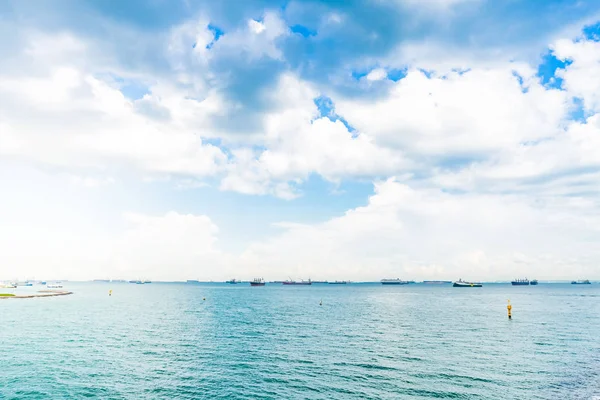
x,y
110,292
509,308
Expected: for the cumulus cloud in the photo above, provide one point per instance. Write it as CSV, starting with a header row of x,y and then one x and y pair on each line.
x,y
581,78
431,234
401,231
69,117
299,142
376,74
478,111
172,246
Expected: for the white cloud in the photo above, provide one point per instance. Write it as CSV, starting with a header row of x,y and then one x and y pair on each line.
x,y
257,39
70,117
477,112
298,142
256,26
421,234
377,74
172,246
91,182
582,76
401,232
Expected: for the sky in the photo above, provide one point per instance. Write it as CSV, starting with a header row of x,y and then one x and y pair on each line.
x,y
359,140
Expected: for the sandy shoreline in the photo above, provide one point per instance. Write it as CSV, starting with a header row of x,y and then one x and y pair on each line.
x,y
41,293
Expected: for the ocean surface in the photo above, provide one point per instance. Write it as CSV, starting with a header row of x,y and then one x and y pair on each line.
x,y
366,341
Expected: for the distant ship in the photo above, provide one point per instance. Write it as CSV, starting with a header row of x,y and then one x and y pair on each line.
x,y
533,282
257,282
520,282
396,281
319,281
303,282
137,282
436,282
339,282
581,282
461,283
232,282
192,281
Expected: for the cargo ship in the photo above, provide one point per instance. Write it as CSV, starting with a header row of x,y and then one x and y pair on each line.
x,y
257,282
436,282
303,282
232,282
461,283
520,282
581,282
396,281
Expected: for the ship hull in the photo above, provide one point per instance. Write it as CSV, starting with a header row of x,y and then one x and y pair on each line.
x,y
520,283
456,284
257,284
394,283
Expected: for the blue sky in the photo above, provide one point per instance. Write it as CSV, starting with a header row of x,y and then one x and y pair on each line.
x,y
336,139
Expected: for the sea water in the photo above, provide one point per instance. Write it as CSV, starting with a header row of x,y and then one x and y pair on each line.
x,y
366,341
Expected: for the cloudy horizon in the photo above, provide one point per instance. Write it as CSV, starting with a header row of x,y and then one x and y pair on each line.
x,y
175,140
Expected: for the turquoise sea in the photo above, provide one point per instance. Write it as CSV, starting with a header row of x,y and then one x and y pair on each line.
x,y
366,341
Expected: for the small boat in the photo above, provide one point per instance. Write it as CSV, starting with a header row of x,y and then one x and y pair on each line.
x,y
302,282
533,282
396,281
232,282
8,286
339,282
257,282
520,282
581,282
461,283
